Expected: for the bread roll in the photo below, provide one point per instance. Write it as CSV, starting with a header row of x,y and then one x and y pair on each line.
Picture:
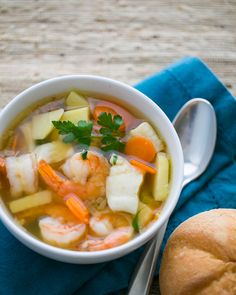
x,y
200,256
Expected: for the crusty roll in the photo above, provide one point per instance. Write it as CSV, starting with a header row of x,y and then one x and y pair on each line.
x,y
200,256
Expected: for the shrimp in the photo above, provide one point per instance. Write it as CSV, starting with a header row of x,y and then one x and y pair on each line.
x,y
22,174
104,224
108,230
57,233
60,227
87,178
101,226
114,239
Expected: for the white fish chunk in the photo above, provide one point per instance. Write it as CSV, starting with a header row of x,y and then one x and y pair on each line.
x,y
123,185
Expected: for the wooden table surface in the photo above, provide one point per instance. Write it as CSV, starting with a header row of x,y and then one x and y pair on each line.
x,y
122,39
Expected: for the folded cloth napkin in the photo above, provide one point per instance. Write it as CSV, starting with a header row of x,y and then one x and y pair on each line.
x,y
24,272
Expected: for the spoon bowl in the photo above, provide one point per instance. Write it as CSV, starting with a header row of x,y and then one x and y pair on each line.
x,y
195,124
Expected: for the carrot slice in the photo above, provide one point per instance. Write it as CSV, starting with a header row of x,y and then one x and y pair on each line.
x,y
103,109
141,147
77,207
142,166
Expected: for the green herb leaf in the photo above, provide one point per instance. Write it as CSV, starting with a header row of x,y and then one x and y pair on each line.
x,y
105,120
105,131
64,127
114,159
114,146
118,121
84,154
69,138
111,139
80,132
108,139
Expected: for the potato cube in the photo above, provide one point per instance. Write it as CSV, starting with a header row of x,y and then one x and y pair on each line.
x,y
76,115
76,100
161,178
38,199
42,123
145,215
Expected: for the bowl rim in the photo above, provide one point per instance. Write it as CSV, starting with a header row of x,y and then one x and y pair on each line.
x,y
48,250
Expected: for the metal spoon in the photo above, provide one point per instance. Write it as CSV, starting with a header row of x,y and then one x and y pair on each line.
x,y
195,124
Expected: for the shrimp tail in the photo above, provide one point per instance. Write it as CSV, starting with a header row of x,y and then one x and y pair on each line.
x,y
114,239
51,178
57,183
65,189
77,207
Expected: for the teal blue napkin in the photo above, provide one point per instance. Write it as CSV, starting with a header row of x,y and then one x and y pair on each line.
x,y
24,272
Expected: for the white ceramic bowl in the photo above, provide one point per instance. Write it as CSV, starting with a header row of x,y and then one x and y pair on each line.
x,y
126,96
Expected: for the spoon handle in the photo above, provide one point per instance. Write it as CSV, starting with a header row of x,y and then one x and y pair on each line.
x,y
142,278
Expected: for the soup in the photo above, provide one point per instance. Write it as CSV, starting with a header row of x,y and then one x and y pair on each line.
x,y
83,173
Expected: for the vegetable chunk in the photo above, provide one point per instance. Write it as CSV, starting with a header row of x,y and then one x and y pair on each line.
x,y
141,147
146,130
53,152
161,179
145,215
42,123
76,115
76,100
40,198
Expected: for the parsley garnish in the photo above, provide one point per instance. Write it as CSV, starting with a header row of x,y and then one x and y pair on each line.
x,y
84,154
111,136
114,159
109,123
80,132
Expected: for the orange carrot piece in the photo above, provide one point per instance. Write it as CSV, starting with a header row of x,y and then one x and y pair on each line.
x,y
77,207
142,166
141,147
103,109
